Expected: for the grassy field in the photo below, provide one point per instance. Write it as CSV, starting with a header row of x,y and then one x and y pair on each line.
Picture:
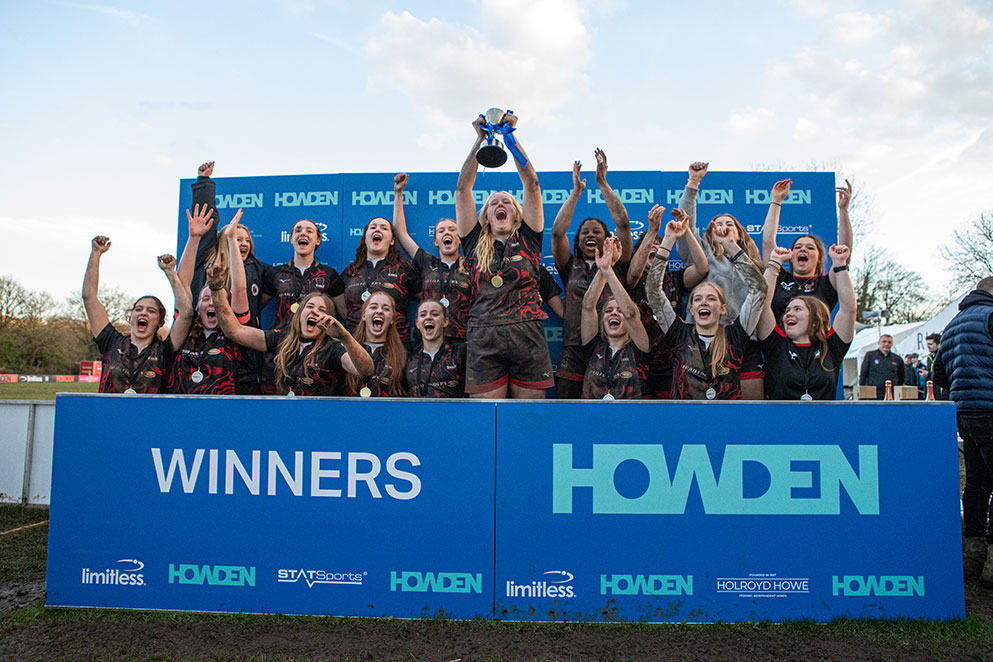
x,y
44,391
31,631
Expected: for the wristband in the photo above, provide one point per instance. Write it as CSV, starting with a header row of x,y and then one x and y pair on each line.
x,y
771,263
843,267
737,255
778,204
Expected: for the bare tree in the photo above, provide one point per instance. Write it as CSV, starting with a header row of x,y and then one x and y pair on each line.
x,y
883,284
13,298
970,253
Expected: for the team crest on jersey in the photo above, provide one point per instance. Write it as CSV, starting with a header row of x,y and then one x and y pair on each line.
x,y
150,374
319,283
787,286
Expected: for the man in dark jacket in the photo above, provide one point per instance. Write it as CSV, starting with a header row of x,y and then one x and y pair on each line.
x,y
965,366
882,365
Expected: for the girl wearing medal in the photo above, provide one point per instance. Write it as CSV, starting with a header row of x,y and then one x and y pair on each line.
x,y
436,369
706,355
507,351
724,271
443,278
379,267
310,355
804,352
377,333
138,362
616,343
576,266
806,273
209,363
288,283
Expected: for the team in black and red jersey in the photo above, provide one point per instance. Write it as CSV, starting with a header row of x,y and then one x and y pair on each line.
x,y
631,326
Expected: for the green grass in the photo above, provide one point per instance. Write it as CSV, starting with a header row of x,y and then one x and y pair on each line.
x,y
23,553
44,390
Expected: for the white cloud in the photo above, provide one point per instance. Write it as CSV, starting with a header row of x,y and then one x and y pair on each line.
x,y
749,120
857,27
804,129
528,56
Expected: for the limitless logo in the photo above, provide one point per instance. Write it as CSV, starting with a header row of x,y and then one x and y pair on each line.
x,y
127,574
646,584
558,585
311,577
440,582
212,575
879,585
824,469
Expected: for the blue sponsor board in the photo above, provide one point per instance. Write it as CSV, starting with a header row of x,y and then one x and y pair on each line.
x,y
595,511
727,512
279,505
342,204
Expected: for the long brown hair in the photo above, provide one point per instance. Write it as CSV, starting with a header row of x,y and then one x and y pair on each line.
x,y
394,353
289,348
393,256
819,322
484,247
745,242
719,345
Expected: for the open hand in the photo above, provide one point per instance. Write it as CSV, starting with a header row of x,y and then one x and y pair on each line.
x,y
578,183
200,221
844,195
781,189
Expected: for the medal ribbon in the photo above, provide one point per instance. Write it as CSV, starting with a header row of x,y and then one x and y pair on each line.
x,y
504,129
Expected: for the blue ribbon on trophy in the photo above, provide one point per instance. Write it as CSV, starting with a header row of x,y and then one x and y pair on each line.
x,y
492,154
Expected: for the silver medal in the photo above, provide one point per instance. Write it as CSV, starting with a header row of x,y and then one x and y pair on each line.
x,y
711,394
444,301
365,392
290,394
196,377
806,397
366,295
608,397
130,391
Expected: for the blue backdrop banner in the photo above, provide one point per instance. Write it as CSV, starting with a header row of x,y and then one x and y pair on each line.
x,y
342,204
646,511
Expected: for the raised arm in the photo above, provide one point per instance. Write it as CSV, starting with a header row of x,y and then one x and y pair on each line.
x,y
845,235
200,222
614,204
534,210
561,251
697,266
239,283
632,315
687,202
657,300
356,359
844,321
184,306
399,220
465,204
96,314
767,320
751,309
204,191
640,258
589,324
780,190
246,336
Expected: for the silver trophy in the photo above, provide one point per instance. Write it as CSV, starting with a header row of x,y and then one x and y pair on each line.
x,y
492,153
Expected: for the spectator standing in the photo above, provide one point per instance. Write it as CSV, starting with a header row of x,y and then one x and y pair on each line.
x,y
880,366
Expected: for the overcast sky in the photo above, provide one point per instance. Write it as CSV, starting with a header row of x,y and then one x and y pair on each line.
x,y
107,106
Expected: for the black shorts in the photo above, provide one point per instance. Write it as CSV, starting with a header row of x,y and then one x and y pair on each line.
x,y
572,363
517,352
752,364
